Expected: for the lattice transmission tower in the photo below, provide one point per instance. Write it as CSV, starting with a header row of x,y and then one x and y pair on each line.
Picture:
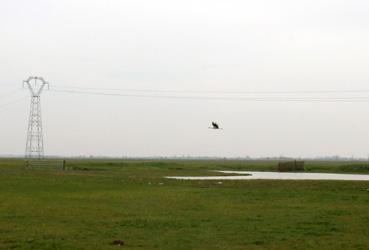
x,y
35,144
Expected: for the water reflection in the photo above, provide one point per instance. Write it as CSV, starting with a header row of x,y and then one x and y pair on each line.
x,y
253,175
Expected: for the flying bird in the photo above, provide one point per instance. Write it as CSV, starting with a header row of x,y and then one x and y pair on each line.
x,y
214,125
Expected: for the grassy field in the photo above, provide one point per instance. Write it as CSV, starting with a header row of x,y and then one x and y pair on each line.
x,y
98,201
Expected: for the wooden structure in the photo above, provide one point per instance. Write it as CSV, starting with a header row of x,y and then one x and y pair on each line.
x,y
291,166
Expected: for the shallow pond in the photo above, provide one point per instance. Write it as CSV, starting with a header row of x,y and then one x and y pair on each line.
x,y
252,175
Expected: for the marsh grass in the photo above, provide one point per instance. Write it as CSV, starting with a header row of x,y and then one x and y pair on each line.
x,y
98,201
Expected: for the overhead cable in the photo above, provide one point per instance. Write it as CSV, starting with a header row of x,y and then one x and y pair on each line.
x,y
10,93
326,91
5,105
224,98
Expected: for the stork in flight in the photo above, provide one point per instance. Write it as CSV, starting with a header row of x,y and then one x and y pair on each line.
x,y
214,125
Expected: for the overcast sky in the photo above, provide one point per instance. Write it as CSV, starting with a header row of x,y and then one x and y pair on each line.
x,y
202,45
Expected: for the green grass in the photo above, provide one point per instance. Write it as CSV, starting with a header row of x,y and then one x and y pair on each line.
x,y
98,201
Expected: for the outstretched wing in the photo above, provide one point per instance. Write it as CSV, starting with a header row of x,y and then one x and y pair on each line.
x,y
215,125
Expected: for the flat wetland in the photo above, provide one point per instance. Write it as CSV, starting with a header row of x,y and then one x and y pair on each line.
x,y
95,202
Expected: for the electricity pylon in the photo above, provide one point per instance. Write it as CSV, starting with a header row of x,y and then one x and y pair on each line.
x,y
35,144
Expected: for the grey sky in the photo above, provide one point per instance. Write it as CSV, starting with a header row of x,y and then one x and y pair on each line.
x,y
186,45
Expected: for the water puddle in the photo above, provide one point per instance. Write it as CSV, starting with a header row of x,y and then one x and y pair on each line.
x,y
252,175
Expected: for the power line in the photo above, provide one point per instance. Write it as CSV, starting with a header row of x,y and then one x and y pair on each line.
x,y
222,98
5,105
10,93
327,91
